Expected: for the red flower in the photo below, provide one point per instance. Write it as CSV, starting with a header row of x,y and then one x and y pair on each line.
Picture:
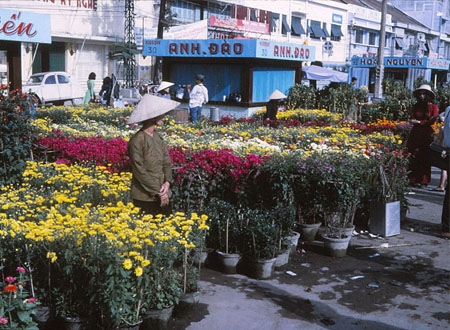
x,y
11,288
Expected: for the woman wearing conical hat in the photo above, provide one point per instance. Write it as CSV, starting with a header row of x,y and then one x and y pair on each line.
x,y
272,106
423,114
150,162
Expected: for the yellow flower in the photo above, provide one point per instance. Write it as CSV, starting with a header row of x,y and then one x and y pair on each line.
x,y
127,264
52,256
138,271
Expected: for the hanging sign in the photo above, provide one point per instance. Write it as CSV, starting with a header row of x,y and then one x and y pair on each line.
x,y
17,25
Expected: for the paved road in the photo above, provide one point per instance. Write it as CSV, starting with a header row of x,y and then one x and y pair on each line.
x,y
399,282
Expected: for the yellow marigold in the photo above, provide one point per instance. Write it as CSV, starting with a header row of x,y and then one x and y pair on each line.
x,y
127,264
138,271
52,256
145,263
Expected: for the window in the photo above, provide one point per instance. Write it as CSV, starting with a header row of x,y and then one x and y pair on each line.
x,y
372,38
275,23
336,32
297,28
359,36
63,79
285,26
50,80
315,30
185,12
399,45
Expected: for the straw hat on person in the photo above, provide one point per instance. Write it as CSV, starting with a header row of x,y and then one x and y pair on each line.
x,y
277,95
151,106
164,85
425,88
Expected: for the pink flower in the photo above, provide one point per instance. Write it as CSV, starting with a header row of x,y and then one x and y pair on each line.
x,y
10,279
31,300
3,320
21,270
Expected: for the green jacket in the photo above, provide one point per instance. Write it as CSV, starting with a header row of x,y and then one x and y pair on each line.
x,y
150,165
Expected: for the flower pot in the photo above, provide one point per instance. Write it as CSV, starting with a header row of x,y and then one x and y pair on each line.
x,y
348,231
282,258
229,261
42,315
200,256
309,231
293,239
156,318
74,323
261,269
187,302
336,246
385,218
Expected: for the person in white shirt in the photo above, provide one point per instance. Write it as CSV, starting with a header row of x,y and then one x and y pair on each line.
x,y
197,97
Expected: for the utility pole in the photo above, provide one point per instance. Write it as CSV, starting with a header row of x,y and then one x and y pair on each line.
x,y
157,78
129,59
379,75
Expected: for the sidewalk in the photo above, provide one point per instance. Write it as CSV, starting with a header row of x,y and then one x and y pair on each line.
x,y
403,284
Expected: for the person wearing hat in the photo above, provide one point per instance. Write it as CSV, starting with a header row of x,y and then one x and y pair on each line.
x,y
164,89
423,114
275,100
150,162
197,97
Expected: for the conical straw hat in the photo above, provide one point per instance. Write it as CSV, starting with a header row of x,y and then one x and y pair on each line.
x,y
151,106
425,88
164,85
277,95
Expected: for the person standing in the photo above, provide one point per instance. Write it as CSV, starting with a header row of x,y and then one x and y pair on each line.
x,y
423,114
150,162
275,101
90,93
106,90
197,97
445,219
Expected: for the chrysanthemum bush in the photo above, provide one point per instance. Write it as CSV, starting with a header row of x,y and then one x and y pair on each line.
x,y
104,260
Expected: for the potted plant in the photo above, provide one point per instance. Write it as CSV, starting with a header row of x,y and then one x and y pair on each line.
x,y
388,183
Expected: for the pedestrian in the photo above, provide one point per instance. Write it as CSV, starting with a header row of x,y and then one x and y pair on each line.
x,y
445,219
423,114
105,91
144,89
197,97
275,101
150,162
90,93
354,81
164,89
115,86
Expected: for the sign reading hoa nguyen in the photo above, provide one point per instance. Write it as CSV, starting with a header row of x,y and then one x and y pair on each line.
x,y
17,25
230,48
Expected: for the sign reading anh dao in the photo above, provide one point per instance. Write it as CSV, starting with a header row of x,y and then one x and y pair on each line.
x,y
16,25
234,48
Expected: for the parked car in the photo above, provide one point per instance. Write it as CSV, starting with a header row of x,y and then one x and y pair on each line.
x,y
55,88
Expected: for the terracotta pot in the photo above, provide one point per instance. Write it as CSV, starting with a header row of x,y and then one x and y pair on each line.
x,y
336,246
156,318
229,261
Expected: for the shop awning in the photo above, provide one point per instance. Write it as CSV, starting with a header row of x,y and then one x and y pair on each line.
x,y
314,72
317,29
325,31
297,26
336,31
285,24
399,42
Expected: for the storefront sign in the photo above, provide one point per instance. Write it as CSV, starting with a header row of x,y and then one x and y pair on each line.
x,y
16,25
88,4
238,24
235,48
403,62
